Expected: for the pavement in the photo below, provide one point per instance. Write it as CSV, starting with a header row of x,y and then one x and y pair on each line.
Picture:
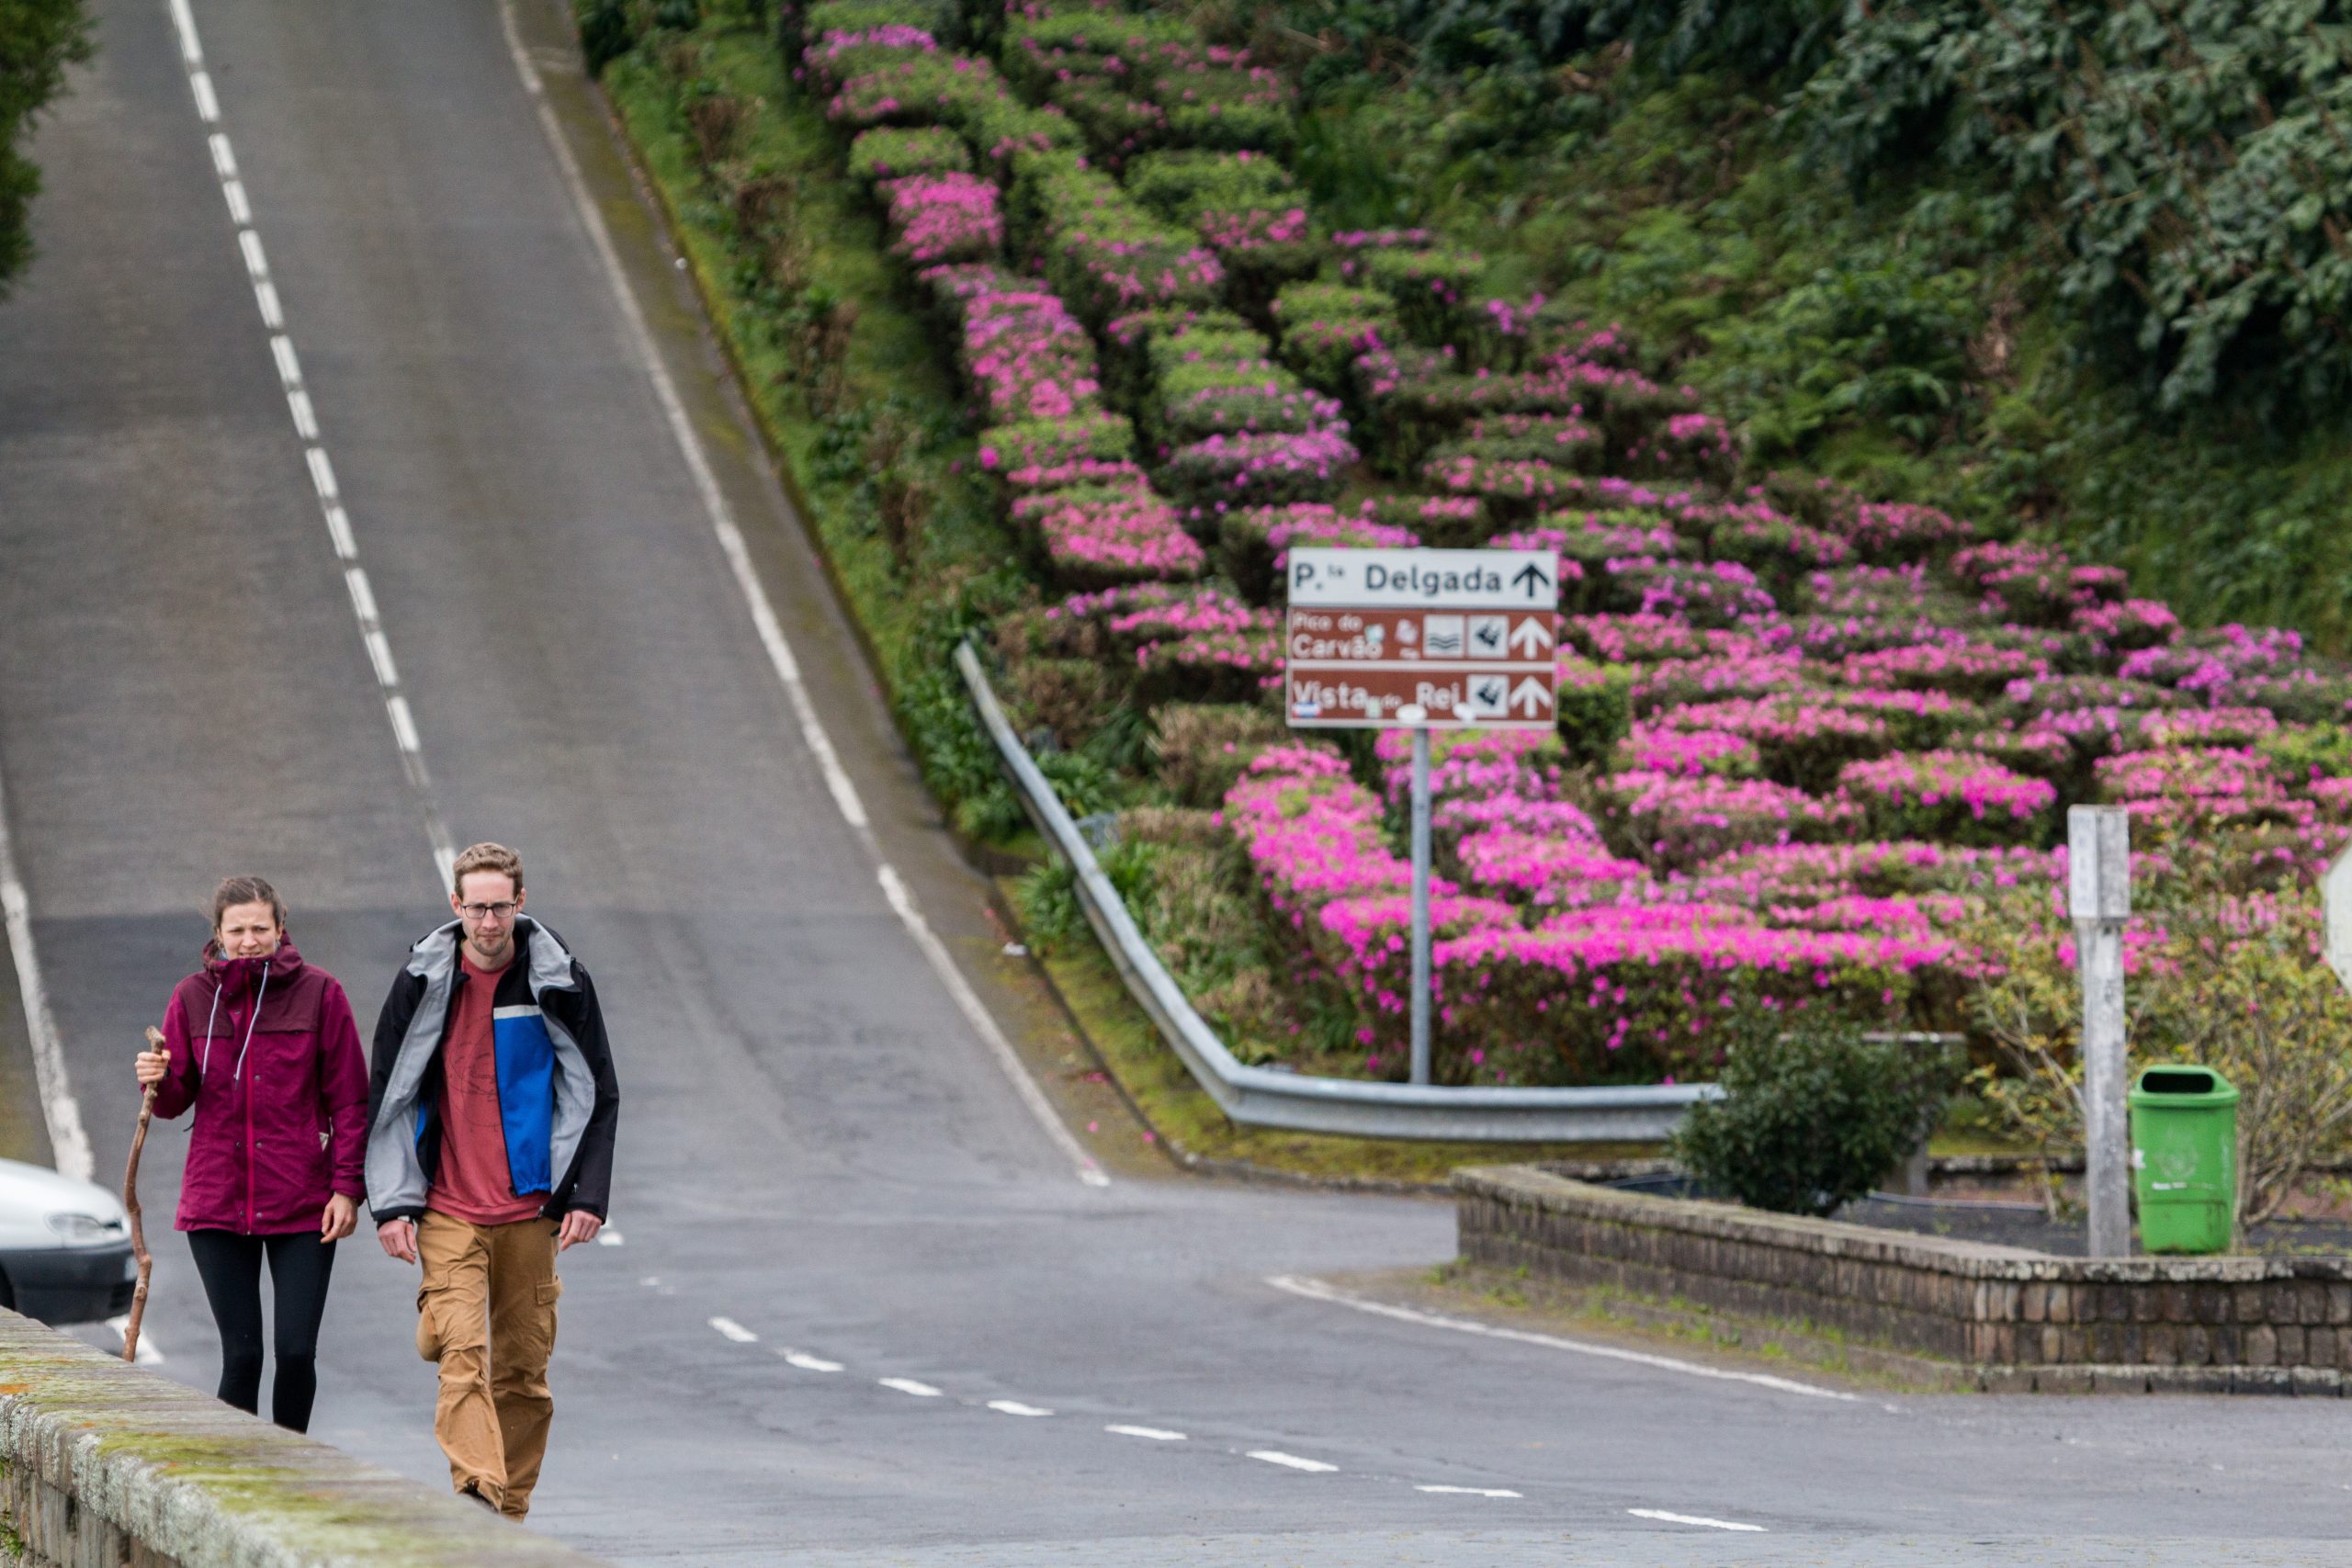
x,y
860,1308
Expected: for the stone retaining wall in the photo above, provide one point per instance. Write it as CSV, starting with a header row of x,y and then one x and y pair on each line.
x,y
2013,1318
104,1465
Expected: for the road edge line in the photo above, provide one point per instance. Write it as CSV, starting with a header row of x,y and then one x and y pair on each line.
x,y
69,1141
1317,1291
781,659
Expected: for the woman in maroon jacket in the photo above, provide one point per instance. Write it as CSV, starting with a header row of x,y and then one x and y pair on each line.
x,y
264,1047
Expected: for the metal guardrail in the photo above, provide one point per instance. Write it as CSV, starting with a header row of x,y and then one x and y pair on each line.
x,y
1264,1097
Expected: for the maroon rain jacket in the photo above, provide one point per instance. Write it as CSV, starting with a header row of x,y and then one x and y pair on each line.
x,y
268,1052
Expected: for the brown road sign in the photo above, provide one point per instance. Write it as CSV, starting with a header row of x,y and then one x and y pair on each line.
x,y
1478,696
1351,668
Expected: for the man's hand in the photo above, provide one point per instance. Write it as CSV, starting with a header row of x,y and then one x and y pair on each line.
x,y
342,1217
148,1066
398,1238
579,1225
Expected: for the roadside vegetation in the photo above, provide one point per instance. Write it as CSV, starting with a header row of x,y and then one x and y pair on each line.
x,y
39,38
1071,321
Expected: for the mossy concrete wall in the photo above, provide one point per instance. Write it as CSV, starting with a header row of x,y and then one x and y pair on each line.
x,y
103,1465
2011,1319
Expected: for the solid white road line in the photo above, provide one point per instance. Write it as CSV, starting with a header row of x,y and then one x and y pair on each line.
x,y
1661,1515
808,1363
1151,1434
909,1386
1014,1407
1316,1290
1471,1491
770,629
1292,1462
734,1330
303,412
150,1354
69,1143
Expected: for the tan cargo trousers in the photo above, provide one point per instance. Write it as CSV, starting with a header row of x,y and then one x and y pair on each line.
x,y
486,1313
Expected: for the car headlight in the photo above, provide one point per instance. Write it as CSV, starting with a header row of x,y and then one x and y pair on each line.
x,y
80,1228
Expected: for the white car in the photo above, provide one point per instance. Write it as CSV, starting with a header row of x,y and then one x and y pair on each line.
x,y
64,1247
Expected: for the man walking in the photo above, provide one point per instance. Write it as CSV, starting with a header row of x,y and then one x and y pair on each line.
x,y
491,1107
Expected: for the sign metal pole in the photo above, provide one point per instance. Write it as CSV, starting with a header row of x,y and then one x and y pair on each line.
x,y
1421,905
1420,639
2098,842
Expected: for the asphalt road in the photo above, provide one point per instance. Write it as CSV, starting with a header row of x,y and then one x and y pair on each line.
x,y
827,1178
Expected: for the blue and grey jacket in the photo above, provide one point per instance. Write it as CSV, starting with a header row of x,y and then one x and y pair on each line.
x,y
556,1095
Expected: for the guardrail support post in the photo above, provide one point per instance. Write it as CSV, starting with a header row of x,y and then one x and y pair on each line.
x,y
1421,905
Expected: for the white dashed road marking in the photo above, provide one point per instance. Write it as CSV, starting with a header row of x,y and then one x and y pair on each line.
x,y
1153,1434
1665,1518
1014,1407
1471,1491
1316,1290
304,415
734,1330
808,1363
1292,1462
608,1236
909,1386
770,629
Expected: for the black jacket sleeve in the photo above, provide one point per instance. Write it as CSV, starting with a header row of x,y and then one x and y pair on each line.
x,y
391,1028
589,1184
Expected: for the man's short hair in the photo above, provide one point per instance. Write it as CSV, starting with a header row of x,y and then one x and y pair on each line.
x,y
485,857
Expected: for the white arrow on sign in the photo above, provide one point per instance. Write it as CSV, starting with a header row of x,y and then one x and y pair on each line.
x,y
1533,635
2336,897
1532,694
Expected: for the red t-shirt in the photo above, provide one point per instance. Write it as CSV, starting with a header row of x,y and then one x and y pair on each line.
x,y
474,1183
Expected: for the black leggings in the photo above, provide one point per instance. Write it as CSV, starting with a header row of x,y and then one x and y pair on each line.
x,y
300,1265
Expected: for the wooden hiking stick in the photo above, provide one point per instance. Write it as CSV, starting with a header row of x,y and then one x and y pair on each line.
x,y
130,1204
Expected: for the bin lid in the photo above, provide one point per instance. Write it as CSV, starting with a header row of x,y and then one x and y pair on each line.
x,y
2182,1084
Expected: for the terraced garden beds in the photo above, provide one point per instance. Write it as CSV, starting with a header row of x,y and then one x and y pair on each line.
x,y
1805,736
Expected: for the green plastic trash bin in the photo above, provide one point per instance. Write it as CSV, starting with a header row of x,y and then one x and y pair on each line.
x,y
2185,1158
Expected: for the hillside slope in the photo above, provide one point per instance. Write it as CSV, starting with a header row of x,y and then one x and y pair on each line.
x,y
2084,274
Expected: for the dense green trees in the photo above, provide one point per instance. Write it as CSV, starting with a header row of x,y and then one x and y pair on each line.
x,y
38,39
2083,268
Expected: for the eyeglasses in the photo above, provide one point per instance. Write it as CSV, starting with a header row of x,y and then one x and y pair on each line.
x,y
487,912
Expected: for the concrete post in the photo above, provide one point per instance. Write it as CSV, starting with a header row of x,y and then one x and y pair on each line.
x,y
2098,842
1421,906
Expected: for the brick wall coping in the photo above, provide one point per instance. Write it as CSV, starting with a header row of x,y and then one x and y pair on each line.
x,y
103,1464
1527,1186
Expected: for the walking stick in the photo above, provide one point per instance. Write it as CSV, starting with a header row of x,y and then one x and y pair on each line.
x,y
130,1204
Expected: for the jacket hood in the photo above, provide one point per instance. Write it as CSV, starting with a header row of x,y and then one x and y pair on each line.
x,y
236,976
540,953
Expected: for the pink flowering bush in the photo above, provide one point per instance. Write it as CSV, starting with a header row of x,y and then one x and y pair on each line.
x,y
1025,356
1672,821
1617,994
888,155
1213,476
943,218
1097,542
1954,795
1255,541
1546,869
2180,784
1954,663
1104,254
